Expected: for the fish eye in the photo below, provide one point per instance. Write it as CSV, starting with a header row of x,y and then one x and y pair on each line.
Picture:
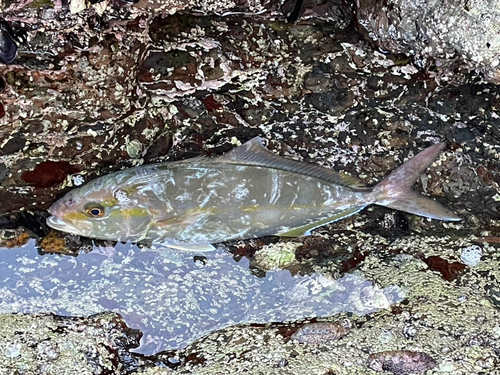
x,y
95,211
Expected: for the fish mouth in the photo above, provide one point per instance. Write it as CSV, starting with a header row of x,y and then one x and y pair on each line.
x,y
55,223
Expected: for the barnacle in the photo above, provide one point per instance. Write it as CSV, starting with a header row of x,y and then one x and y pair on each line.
x,y
471,255
319,333
401,362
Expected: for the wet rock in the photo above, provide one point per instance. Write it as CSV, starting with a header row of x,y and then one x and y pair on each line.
x,y
329,102
3,84
401,362
351,263
13,145
8,47
3,171
433,306
49,173
32,222
493,293
52,344
463,31
13,238
293,9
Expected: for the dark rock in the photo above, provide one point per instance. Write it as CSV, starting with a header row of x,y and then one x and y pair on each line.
x,y
8,47
13,145
49,173
3,171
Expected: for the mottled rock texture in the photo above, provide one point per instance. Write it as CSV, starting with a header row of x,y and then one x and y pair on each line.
x,y
46,344
116,86
453,31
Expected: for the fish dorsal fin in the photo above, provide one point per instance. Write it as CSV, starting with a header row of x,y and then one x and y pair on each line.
x,y
254,153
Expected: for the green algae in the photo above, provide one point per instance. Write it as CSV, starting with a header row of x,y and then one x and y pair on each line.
x,y
41,4
276,256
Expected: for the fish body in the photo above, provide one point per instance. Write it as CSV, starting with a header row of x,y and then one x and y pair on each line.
x,y
249,192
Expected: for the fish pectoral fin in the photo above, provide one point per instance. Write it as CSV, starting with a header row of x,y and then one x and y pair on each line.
x,y
184,220
305,230
193,247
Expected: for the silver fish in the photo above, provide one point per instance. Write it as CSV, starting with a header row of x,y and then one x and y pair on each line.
x,y
248,192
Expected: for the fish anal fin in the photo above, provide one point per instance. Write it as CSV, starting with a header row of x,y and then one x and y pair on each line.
x,y
254,153
305,230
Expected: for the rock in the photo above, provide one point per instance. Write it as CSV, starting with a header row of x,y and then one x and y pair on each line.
x,y
319,333
62,345
401,362
463,31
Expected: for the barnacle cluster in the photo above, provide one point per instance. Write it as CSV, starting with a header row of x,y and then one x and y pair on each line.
x,y
276,256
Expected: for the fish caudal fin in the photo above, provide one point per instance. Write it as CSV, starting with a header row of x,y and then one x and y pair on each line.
x,y
395,191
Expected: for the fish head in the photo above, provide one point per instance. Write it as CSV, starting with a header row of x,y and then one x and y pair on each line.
x,y
102,209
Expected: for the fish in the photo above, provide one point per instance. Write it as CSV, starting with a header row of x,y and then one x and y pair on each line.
x,y
248,192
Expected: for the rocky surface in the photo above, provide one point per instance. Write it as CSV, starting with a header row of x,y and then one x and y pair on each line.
x,y
47,344
452,32
99,87
455,323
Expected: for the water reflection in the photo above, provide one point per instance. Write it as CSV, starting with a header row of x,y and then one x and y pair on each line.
x,y
171,296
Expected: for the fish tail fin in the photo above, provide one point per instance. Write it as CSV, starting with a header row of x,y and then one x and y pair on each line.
x,y
395,191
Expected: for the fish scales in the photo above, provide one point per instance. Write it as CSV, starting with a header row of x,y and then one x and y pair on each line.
x,y
247,193
266,199
244,202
